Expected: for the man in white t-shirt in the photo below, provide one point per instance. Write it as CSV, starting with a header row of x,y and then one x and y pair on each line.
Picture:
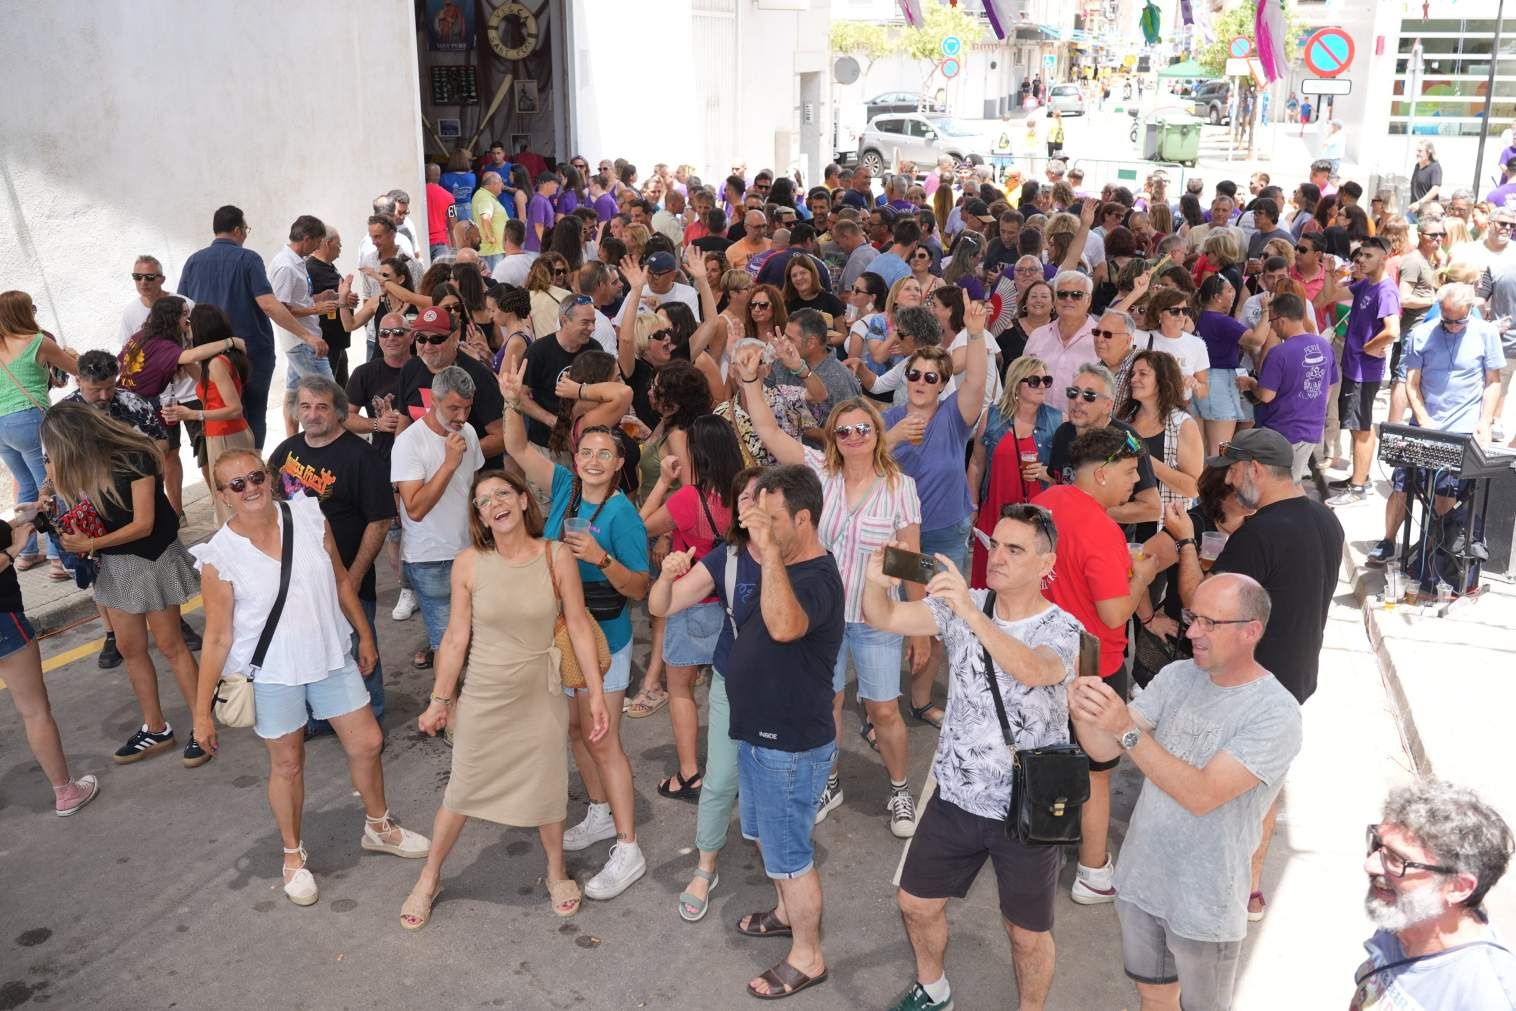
x,y
663,283
597,281
432,466
515,262
304,350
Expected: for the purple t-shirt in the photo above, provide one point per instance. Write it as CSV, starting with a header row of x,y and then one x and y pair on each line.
x,y
1221,334
937,464
568,202
605,207
539,211
1301,372
1372,302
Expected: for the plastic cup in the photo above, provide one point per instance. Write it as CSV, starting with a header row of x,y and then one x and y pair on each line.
x,y
1211,543
576,525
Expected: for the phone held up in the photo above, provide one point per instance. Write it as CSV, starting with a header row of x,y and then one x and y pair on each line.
x,y
910,565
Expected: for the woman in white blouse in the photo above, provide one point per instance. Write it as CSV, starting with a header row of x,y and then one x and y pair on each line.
x,y
309,660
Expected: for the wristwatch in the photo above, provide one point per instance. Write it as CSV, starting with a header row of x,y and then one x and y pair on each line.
x,y
1130,738
808,370
604,563
1178,545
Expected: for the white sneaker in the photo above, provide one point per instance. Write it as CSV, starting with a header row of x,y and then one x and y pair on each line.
x,y
596,827
405,606
831,799
1093,886
620,872
902,811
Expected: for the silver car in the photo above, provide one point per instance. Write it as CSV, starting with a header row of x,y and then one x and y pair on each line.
x,y
918,138
1067,99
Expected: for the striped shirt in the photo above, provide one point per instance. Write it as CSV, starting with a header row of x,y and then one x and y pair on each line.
x,y
852,535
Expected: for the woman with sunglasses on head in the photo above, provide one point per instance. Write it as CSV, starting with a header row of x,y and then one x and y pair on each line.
x,y
865,301
928,436
964,265
511,718
922,269
101,467
601,528
1010,458
867,502
308,669
1166,327
546,286
697,514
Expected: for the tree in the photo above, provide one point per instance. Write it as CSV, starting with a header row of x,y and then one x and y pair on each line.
x,y
925,43
1239,21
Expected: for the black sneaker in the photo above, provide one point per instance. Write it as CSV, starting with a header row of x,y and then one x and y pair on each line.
x,y
191,637
194,755
144,743
110,656
1381,553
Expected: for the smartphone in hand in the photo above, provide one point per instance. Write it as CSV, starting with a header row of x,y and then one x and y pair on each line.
x,y
910,565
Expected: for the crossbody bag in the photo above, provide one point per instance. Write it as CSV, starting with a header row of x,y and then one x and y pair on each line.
x,y
601,599
1049,786
234,692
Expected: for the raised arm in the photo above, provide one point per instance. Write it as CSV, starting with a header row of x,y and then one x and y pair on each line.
x,y
976,372
537,468
784,446
626,330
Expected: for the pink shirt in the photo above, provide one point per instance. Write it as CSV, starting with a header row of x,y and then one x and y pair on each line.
x,y
1063,359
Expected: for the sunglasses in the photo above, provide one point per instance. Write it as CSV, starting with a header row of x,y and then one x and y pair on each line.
x,y
1071,296
1448,321
1128,449
146,277
1305,249
862,430
1079,393
1037,381
560,271
760,305
238,485
1175,310
433,339
661,335
1097,332
861,291
918,376
396,331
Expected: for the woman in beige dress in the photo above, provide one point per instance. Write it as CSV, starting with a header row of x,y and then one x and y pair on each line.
x,y
510,723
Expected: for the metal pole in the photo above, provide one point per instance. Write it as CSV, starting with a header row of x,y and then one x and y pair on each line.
x,y
1489,96
1413,87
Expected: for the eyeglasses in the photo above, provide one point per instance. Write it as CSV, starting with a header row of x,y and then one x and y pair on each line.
x,y
760,305
1037,381
1175,310
433,339
238,485
603,455
1128,449
1433,235
1205,624
862,430
918,376
1071,296
1029,269
502,496
1097,332
1450,322
1393,863
395,331
1080,393
146,277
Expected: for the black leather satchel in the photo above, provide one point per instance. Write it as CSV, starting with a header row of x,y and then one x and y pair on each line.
x,y
1049,786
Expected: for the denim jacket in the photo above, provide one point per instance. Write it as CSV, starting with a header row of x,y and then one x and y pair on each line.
x,y
996,426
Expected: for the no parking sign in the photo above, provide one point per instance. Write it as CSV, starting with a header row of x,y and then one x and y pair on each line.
x,y
1329,52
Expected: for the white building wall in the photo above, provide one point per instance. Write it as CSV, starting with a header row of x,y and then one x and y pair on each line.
x,y
126,125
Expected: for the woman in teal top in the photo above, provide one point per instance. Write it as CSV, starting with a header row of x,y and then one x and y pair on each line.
x,y
602,528
25,354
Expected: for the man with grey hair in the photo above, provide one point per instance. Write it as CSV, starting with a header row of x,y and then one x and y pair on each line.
x,y
1113,336
400,202
432,467
437,336
598,282
856,251
489,214
1214,737
346,475
548,360
304,349
1066,341
1089,400
1435,854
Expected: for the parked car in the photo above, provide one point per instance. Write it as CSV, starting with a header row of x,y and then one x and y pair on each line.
x,y
898,101
1067,99
1210,101
918,138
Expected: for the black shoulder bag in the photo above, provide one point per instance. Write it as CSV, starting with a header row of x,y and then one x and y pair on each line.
x,y
1048,785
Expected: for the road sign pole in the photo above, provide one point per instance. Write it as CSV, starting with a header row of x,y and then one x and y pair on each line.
x,y
1413,88
1489,95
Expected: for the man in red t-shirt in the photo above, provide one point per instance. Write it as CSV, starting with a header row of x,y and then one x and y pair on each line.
x,y
1099,582
440,213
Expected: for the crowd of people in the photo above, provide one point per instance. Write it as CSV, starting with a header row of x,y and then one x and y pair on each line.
x,y
950,434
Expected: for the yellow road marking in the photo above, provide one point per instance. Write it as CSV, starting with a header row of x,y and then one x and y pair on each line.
x,y
67,657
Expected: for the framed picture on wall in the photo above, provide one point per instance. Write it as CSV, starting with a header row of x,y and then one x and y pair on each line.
x,y
526,98
520,142
449,128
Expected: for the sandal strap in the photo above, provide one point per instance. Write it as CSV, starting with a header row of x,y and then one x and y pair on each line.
x,y
299,848
382,819
705,875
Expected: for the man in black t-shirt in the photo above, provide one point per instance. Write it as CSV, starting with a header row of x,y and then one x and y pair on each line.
x,y
345,475
437,336
1090,407
549,358
380,379
321,268
779,685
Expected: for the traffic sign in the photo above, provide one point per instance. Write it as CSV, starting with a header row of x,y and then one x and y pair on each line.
x,y
1049,64
1329,52
950,67
952,46
1237,67
1241,48
1326,86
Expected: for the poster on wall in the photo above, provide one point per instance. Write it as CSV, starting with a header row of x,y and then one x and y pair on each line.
x,y
526,98
450,26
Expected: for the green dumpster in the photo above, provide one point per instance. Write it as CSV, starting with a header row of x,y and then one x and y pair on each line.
x,y
1179,140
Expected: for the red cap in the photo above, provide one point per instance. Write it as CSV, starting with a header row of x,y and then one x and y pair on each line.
x,y
433,320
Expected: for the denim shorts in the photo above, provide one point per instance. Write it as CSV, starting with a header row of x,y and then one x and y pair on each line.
x,y
1206,971
281,709
1222,400
952,541
616,679
777,793
301,361
689,637
433,583
15,633
876,658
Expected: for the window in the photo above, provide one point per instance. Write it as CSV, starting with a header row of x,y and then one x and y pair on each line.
x,y
1456,56
887,125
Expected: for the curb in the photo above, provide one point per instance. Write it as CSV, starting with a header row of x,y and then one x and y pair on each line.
x,y
1405,721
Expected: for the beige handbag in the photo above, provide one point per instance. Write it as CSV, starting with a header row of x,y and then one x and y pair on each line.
x,y
569,672
234,692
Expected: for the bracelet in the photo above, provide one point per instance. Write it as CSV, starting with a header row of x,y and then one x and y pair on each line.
x,y
7,553
439,698
230,344
1178,545
373,426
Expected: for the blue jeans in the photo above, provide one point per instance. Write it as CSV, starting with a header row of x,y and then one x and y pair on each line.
x,y
21,449
374,682
255,394
777,793
301,361
876,658
952,541
433,583
718,785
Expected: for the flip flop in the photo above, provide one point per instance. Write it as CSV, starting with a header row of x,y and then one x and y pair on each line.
x,y
791,979
417,910
562,894
692,908
764,924
919,712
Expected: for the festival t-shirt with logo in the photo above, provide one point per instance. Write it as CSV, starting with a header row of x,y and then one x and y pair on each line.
x,y
414,397
349,480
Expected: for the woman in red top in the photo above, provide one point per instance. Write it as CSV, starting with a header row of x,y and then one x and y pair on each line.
x,y
697,514
1017,462
220,391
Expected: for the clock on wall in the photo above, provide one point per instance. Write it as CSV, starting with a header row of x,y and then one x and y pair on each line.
x,y
521,35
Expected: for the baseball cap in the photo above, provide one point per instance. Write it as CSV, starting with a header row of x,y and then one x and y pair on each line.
x,y
977,209
1264,445
433,320
660,263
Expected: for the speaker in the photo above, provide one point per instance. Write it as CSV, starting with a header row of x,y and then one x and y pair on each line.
x,y
1500,526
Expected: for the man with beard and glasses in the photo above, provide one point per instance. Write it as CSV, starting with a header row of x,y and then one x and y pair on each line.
x,y
1436,852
